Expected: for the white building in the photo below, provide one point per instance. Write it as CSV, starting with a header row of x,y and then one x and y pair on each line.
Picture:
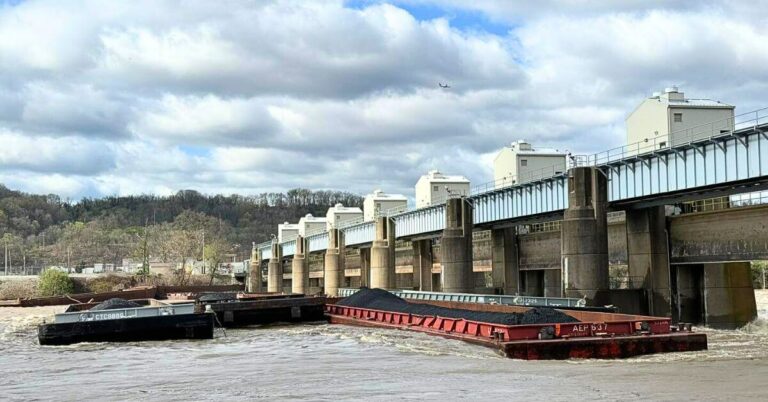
x,y
309,225
287,231
339,214
520,162
379,202
435,187
651,123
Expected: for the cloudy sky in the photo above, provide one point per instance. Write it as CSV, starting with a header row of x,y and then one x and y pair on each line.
x,y
105,98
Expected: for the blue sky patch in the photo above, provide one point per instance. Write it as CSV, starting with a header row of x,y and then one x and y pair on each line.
x,y
464,20
193,150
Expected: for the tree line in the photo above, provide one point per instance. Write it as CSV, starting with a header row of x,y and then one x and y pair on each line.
x,y
45,230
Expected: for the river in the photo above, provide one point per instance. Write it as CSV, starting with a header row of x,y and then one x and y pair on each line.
x,y
328,362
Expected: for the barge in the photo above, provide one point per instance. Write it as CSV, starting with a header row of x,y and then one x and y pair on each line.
x,y
245,309
587,334
136,323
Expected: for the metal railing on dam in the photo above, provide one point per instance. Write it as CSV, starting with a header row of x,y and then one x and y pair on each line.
x,y
702,158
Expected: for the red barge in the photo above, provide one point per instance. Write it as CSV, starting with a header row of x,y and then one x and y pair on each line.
x,y
596,335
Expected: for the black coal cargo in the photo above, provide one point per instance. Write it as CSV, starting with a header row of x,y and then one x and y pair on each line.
x,y
378,299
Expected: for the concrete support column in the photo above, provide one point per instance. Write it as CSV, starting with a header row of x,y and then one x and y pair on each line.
x,y
333,268
383,255
365,267
422,264
729,298
648,257
456,247
275,270
505,269
254,273
553,283
584,236
300,267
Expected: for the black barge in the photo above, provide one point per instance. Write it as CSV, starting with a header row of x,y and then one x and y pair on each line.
x,y
238,309
128,324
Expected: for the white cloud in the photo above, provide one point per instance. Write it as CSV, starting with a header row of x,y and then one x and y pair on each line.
x,y
232,96
69,155
208,119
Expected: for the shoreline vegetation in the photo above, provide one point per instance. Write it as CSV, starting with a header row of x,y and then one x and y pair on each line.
x,y
30,287
38,232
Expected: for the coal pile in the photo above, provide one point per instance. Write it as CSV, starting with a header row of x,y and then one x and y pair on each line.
x,y
378,299
115,303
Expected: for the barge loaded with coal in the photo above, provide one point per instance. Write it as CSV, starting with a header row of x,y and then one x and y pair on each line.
x,y
520,332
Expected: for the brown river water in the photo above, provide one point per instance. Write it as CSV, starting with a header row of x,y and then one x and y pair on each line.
x,y
328,362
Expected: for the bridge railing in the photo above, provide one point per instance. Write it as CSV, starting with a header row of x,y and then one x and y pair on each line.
x,y
495,185
533,175
358,234
727,202
710,130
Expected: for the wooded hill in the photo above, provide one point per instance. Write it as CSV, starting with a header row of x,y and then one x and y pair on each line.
x,y
43,229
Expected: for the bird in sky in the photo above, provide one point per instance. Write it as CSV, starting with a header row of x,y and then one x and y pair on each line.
x,y
441,85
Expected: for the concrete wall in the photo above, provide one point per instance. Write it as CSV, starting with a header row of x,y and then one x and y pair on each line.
x,y
334,218
654,121
697,123
508,169
540,250
617,242
729,299
738,234
649,118
430,192
371,205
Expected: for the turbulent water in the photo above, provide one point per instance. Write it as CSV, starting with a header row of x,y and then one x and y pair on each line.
x,y
325,362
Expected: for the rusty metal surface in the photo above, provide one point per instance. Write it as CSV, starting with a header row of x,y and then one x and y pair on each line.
x,y
266,296
609,326
604,348
267,304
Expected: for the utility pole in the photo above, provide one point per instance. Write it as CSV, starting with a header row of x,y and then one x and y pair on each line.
x,y
205,265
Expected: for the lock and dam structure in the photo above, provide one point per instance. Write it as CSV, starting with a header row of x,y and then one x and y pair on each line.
x,y
624,227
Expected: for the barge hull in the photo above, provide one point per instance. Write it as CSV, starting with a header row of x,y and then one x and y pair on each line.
x,y
186,326
613,347
604,348
271,310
